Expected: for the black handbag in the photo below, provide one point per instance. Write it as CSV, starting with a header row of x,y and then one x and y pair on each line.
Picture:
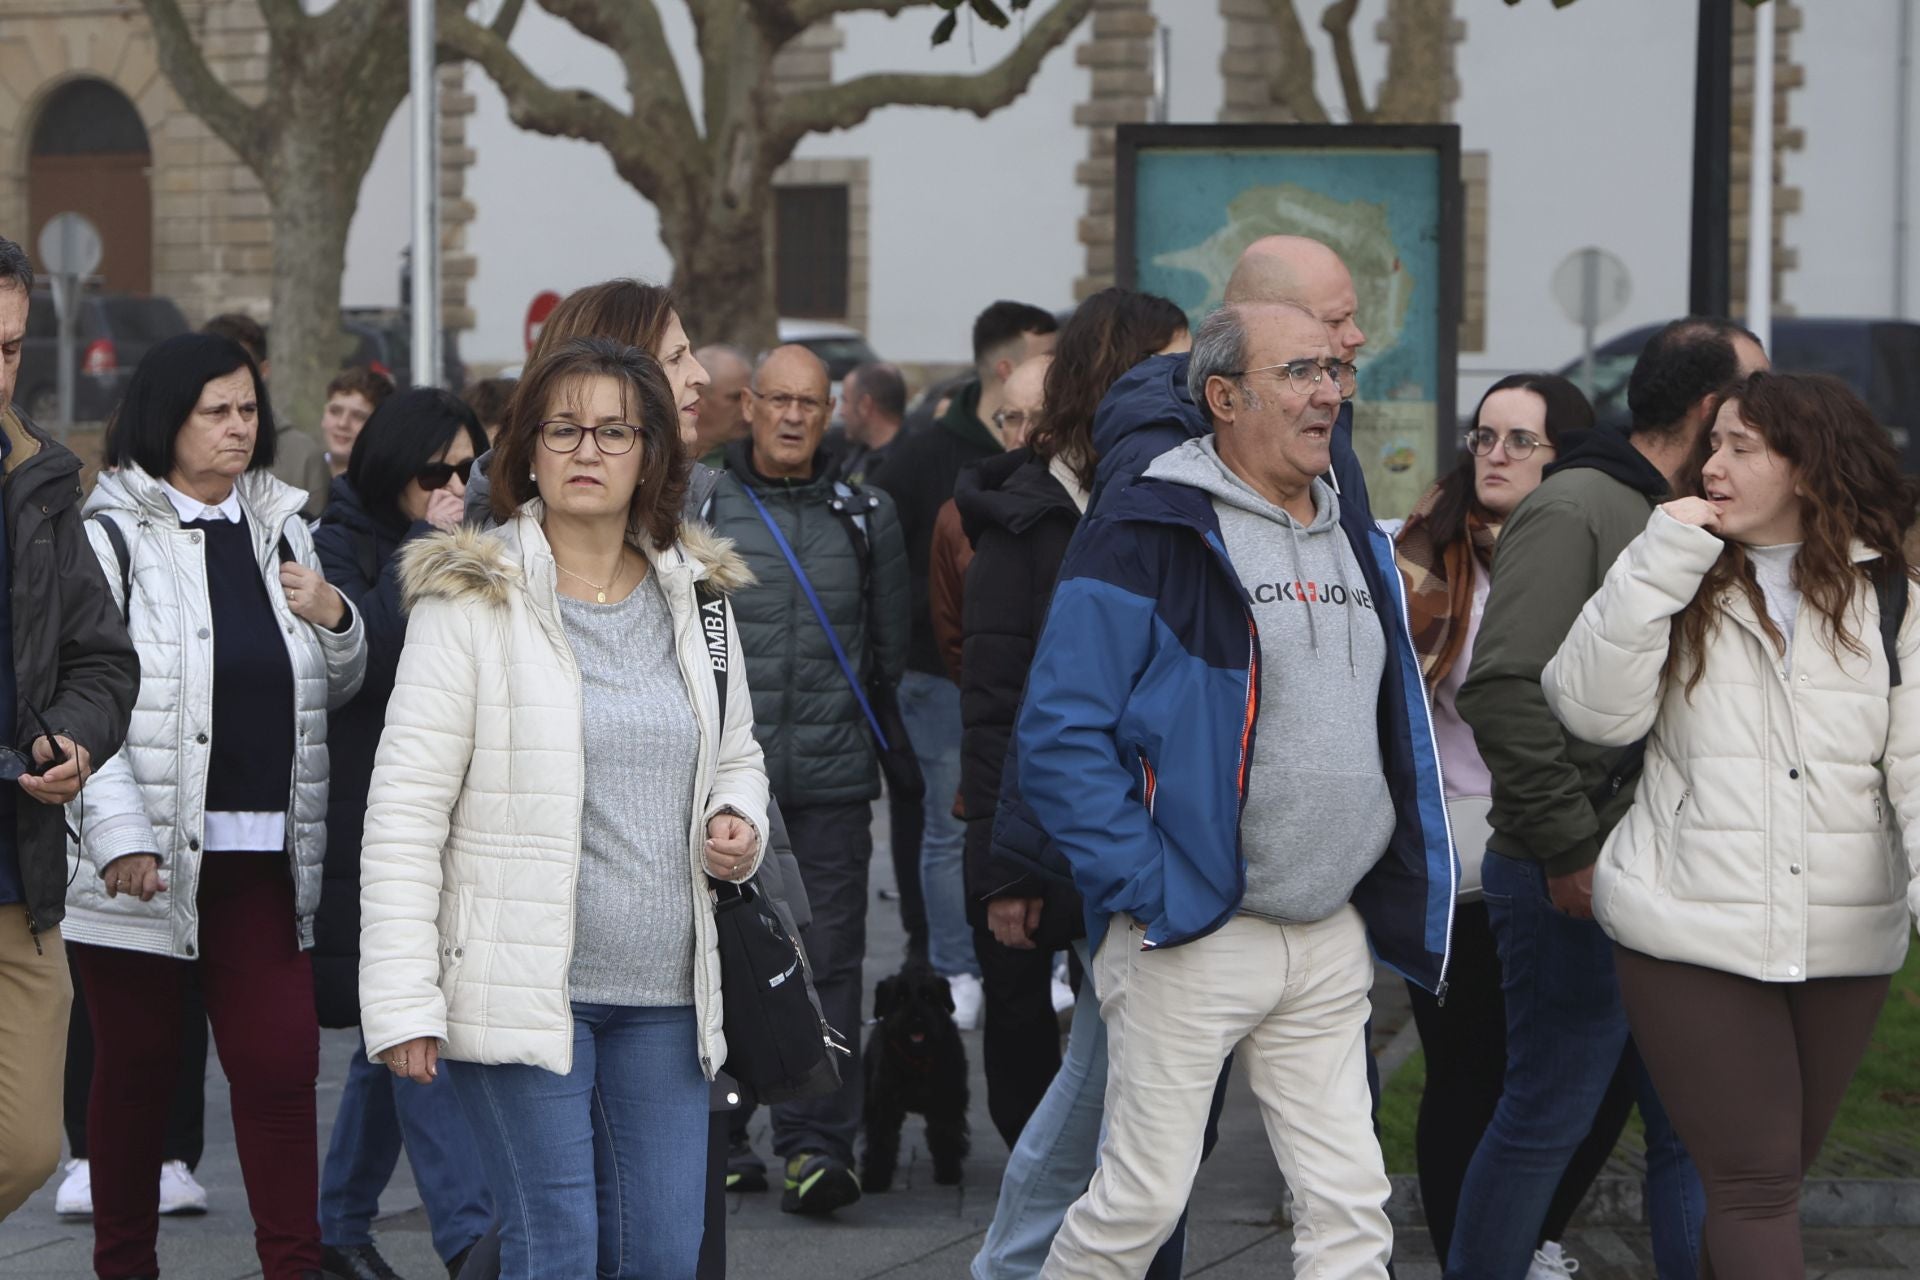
x,y
779,1044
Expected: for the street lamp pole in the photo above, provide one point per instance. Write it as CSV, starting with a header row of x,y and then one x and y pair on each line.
x,y
424,90
1760,183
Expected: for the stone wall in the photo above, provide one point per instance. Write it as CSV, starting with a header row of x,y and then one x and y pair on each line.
x,y
1788,76
1120,56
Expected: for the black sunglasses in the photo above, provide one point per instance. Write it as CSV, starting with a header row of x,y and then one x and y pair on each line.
x,y
438,475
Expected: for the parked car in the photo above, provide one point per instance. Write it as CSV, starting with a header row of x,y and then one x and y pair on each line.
x,y
388,331
842,349
114,330
1879,359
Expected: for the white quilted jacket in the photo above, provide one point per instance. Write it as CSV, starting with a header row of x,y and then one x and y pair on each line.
x,y
1761,841
473,822
151,796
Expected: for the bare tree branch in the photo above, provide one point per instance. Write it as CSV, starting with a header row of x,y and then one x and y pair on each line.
x,y
1337,22
1292,84
283,18
808,12
842,106
632,30
236,123
509,16
534,104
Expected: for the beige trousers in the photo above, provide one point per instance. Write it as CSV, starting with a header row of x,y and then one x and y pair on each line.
x,y
1293,999
35,998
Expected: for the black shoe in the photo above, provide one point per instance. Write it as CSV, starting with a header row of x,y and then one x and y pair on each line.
x,y
458,1262
745,1170
356,1262
818,1184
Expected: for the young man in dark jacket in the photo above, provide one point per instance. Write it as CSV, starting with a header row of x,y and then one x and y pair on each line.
x,y
1555,800
66,666
919,474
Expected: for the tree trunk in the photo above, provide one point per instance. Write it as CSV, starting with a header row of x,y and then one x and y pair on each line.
x,y
722,260
309,255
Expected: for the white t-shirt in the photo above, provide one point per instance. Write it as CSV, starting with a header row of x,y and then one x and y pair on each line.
x,y
1773,569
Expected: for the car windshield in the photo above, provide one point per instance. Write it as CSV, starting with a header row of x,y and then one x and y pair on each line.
x,y
143,320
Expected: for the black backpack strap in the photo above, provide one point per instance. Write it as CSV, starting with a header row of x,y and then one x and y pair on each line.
x,y
286,551
1892,590
123,554
366,556
712,606
1625,772
850,505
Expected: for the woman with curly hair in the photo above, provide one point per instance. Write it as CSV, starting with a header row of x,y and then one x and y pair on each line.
x,y
1759,890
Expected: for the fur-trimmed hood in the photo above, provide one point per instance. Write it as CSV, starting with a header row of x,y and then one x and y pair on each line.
x,y
483,566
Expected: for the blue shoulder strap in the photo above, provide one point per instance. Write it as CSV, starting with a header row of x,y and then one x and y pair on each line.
x,y
819,613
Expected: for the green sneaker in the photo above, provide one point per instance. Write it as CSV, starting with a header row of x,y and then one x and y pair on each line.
x,y
818,1184
745,1170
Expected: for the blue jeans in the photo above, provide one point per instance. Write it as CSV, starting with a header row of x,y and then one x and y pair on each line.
x,y
930,707
1566,1032
1054,1159
601,1171
377,1111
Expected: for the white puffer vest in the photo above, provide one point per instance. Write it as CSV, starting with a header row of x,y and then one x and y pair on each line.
x,y
1761,841
472,849
151,796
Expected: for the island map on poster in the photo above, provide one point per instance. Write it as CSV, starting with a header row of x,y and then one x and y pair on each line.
x,y
1196,210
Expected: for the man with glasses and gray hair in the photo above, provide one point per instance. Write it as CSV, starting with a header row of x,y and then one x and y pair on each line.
x,y
1226,735
68,676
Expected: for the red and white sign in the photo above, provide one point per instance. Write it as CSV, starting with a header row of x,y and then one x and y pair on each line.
x,y
543,304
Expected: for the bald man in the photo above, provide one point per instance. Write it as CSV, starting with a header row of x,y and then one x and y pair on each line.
x,y
723,402
777,498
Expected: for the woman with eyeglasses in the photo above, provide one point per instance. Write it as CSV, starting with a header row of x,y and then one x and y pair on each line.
x,y
555,784
206,833
405,481
1446,555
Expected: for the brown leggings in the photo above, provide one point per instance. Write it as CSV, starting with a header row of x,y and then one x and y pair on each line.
x,y
1752,1074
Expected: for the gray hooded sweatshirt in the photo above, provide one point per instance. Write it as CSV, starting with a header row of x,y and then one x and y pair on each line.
x,y
1318,814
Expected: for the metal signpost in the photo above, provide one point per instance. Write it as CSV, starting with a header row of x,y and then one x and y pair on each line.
x,y
70,251
429,370
1592,287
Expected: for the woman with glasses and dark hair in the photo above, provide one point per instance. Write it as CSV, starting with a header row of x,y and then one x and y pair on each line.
x,y
534,890
405,481
205,835
1446,556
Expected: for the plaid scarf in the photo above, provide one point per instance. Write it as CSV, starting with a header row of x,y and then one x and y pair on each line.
x,y
1440,582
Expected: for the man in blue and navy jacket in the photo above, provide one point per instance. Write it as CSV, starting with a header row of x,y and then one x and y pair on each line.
x,y
1234,598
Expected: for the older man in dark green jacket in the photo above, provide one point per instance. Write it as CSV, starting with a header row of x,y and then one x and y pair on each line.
x,y
816,547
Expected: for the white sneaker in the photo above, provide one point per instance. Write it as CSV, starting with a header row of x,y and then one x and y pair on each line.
x,y
75,1197
1550,1263
179,1192
967,997
1063,997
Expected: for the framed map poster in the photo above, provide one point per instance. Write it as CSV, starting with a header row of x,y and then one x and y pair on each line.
x,y
1387,198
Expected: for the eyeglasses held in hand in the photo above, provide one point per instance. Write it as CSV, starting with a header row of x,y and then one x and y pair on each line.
x,y
1306,374
1519,444
610,438
783,403
438,475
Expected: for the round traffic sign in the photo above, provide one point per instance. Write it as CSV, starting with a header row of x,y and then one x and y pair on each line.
x,y
543,304
1591,286
69,246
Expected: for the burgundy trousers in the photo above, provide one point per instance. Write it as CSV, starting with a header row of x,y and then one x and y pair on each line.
x,y
258,987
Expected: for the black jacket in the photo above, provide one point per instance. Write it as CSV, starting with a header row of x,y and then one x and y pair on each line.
x,y
819,749
71,655
1019,519
359,555
919,473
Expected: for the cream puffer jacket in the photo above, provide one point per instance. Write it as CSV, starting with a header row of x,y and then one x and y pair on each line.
x,y
472,848
151,796
1761,841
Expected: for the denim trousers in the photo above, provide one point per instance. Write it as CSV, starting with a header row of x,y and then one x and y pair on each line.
x,y
378,1113
1057,1152
1566,1032
930,707
601,1171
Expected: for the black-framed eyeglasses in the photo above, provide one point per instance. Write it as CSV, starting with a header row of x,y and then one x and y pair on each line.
x,y
1017,420
1305,374
784,402
1519,444
610,438
438,475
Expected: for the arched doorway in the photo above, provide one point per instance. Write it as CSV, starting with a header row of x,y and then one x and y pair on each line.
x,y
90,156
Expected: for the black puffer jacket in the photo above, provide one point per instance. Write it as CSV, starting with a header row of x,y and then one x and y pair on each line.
x,y
359,555
1019,519
818,747
71,655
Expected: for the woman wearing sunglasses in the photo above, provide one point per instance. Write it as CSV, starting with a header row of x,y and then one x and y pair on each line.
x,y
1446,554
405,480
203,837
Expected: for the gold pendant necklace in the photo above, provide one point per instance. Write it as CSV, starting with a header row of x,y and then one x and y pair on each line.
x,y
601,597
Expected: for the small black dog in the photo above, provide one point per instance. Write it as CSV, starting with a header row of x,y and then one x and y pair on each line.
x,y
915,1062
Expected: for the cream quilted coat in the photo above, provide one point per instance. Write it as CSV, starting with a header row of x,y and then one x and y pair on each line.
x,y
1761,841
151,797
473,821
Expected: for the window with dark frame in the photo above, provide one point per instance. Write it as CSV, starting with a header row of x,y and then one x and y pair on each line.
x,y
811,232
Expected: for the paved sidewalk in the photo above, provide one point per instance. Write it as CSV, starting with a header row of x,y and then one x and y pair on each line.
x,y
918,1230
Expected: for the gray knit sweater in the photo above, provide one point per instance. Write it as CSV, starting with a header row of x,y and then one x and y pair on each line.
x,y
633,909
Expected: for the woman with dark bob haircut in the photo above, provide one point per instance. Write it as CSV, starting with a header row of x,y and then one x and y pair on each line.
x,y
1445,552
207,832
556,782
406,481
1761,637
